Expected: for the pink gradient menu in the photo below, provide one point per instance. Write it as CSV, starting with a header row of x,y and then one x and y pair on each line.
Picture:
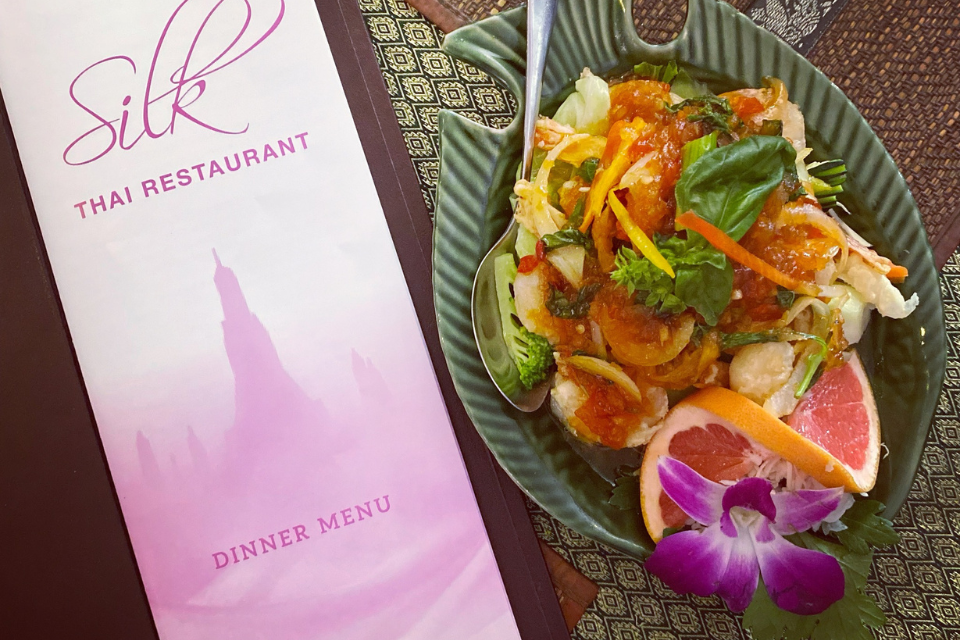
x,y
283,457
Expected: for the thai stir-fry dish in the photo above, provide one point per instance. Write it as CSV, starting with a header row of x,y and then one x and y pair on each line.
x,y
685,281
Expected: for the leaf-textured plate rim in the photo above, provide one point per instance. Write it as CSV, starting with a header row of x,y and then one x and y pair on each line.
x,y
478,163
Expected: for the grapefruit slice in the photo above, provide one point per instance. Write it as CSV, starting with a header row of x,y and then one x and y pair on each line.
x,y
839,413
833,436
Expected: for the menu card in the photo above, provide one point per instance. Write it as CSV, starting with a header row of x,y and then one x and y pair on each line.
x,y
274,428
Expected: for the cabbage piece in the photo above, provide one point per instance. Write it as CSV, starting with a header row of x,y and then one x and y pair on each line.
x,y
876,289
526,242
530,294
569,262
586,108
856,315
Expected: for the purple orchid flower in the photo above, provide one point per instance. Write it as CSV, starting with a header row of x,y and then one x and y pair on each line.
x,y
743,539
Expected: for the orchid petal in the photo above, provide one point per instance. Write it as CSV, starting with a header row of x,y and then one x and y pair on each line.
x,y
698,497
749,493
753,494
803,510
802,581
707,562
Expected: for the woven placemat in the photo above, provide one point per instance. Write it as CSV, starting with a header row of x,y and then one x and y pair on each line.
x,y
917,583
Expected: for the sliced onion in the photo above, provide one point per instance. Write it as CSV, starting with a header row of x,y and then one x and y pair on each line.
x,y
799,305
846,228
607,370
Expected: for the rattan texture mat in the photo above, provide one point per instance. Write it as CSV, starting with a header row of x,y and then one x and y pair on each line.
x,y
897,61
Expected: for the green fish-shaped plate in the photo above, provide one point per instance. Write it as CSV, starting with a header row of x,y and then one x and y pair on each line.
x,y
905,358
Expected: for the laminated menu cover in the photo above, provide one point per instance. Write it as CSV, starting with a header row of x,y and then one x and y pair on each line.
x,y
266,402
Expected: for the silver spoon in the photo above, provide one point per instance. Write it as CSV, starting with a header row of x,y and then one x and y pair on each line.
x,y
486,316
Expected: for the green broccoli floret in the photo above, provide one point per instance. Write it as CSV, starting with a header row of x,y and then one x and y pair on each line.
x,y
532,353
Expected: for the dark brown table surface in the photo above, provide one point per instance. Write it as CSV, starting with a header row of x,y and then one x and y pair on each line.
x,y
898,61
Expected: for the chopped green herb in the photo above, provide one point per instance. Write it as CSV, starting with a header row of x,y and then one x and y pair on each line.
x,y
559,174
741,339
797,193
771,128
785,297
576,217
714,111
562,307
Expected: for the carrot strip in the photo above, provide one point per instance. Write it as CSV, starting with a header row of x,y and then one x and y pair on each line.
x,y
897,273
734,251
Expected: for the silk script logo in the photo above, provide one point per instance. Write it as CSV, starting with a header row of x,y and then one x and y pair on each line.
x,y
162,102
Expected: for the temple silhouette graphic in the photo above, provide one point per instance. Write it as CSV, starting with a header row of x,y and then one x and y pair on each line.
x,y
271,409
286,459
278,437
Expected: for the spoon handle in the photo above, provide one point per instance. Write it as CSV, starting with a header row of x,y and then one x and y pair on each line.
x,y
540,14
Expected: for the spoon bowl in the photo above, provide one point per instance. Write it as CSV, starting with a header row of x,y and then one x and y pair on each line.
x,y
484,310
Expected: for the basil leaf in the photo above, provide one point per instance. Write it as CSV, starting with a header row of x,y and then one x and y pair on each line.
x,y
704,277
588,169
559,174
728,186
705,288
566,238
692,251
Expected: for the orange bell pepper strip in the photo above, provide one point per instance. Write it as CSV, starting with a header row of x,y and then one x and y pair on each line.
x,y
624,135
729,247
